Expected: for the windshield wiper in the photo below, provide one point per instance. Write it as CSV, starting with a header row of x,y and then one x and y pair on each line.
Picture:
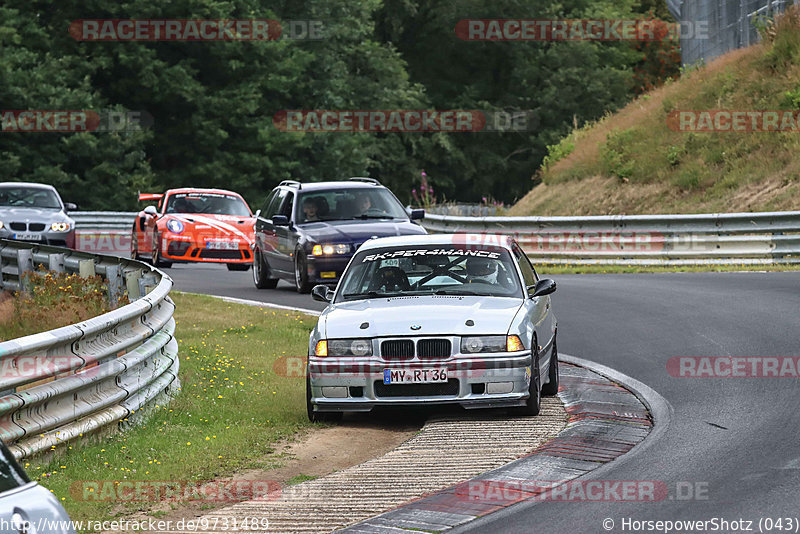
x,y
461,293
365,217
372,295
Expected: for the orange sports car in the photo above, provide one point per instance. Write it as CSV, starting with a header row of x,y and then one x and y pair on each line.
x,y
194,225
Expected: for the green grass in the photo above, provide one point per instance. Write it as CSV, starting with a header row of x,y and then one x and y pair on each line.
x,y
632,162
299,479
231,411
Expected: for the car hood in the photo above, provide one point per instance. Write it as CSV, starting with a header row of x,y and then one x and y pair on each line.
x,y
436,315
359,231
215,225
10,214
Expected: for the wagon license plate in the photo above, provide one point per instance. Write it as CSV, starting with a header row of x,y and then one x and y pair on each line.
x,y
28,237
222,245
414,376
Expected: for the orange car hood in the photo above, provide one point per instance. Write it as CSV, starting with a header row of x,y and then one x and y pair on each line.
x,y
217,225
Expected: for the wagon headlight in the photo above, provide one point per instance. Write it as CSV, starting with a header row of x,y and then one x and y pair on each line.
x,y
344,347
175,226
56,226
330,249
480,344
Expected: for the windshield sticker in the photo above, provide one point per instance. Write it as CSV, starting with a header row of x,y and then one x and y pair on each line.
x,y
201,195
434,252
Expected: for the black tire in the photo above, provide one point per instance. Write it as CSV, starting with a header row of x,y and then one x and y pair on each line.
x,y
157,261
533,404
301,282
261,273
238,266
551,388
319,417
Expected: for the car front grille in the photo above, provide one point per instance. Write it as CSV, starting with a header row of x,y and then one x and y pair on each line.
x,y
18,226
433,349
36,227
178,248
443,389
221,254
397,349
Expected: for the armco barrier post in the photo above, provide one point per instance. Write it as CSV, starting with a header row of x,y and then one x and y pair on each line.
x,y
86,268
114,278
132,284
56,263
24,265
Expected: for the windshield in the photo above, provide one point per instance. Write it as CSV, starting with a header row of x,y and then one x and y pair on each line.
x,y
347,204
210,203
29,197
430,270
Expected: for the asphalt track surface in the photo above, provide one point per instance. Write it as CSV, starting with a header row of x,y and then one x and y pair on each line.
x,y
732,440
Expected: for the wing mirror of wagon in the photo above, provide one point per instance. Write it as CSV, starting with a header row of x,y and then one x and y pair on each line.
x,y
543,287
322,293
280,220
417,215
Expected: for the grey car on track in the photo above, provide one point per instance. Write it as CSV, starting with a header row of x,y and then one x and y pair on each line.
x,y
35,213
434,319
25,506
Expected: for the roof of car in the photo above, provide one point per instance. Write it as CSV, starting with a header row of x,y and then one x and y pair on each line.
x,y
200,190
27,184
474,240
339,184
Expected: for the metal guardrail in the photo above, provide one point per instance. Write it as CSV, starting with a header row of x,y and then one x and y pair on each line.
x,y
58,385
729,238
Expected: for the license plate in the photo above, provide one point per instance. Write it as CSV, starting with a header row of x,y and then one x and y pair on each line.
x,y
28,237
414,376
222,245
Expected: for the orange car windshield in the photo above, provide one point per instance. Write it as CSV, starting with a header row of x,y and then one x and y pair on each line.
x,y
207,203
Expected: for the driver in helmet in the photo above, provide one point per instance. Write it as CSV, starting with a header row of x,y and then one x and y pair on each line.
x,y
481,270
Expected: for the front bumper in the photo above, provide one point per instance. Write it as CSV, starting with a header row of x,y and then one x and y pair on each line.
x,y
49,237
176,248
356,384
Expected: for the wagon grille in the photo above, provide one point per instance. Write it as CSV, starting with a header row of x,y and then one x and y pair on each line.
x,y
417,390
397,349
433,349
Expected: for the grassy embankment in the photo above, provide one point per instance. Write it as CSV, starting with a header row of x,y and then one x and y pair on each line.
x,y
631,162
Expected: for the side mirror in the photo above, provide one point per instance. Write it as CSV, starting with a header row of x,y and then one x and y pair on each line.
x,y
69,206
543,287
417,215
151,211
322,293
280,220
257,214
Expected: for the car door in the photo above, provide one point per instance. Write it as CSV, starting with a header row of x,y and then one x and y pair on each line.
x,y
286,235
147,227
538,312
265,230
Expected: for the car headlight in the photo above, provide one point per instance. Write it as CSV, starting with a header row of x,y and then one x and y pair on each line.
x,y
58,226
344,347
479,344
1,225
175,226
330,249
